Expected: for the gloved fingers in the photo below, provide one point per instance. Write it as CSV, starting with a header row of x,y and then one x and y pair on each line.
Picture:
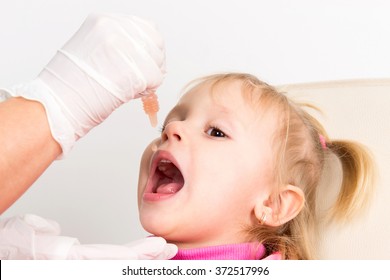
x,y
150,40
8,252
107,20
150,73
153,248
42,226
101,252
23,225
122,53
103,29
151,29
168,252
147,41
16,237
114,64
32,237
146,30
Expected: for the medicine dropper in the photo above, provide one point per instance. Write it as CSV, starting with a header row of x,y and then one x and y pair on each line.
x,y
151,107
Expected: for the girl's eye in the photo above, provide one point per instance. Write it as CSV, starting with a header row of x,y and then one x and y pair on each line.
x,y
162,128
215,132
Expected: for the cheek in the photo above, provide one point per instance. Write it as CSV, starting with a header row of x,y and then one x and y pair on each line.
x,y
254,173
141,186
142,180
144,168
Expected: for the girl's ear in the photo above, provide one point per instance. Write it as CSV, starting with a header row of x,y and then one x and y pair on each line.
x,y
282,208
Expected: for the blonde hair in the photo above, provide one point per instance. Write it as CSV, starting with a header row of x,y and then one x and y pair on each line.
x,y
299,160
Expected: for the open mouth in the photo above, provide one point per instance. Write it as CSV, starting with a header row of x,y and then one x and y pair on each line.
x,y
166,178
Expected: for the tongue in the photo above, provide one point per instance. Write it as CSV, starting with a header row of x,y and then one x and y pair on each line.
x,y
170,179
169,188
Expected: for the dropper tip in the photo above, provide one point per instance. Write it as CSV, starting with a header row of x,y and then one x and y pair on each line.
x,y
153,119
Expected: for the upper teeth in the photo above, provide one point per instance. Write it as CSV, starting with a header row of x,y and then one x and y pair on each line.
x,y
163,164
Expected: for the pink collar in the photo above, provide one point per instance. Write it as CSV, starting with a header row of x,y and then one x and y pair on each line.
x,y
243,251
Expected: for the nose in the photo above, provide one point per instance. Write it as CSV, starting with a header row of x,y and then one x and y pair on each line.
x,y
173,131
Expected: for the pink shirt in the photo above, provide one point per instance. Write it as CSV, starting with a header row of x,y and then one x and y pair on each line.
x,y
243,251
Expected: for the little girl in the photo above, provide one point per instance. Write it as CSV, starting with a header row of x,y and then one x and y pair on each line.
x,y
236,170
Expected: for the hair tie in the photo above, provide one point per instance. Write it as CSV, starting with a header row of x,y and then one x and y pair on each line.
x,y
322,141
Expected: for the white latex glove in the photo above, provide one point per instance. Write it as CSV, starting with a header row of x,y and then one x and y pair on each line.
x,y
110,60
33,237
151,248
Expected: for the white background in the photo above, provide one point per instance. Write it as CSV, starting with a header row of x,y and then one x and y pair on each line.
x,y
92,193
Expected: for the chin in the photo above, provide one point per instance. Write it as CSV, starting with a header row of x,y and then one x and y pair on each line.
x,y
155,226
171,235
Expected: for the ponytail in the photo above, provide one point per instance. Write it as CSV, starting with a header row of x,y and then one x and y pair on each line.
x,y
358,169
358,178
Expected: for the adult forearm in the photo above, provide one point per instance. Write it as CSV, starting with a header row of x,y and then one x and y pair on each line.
x,y
27,147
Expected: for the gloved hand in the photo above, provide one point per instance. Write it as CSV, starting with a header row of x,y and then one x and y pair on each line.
x,y
110,60
151,248
33,237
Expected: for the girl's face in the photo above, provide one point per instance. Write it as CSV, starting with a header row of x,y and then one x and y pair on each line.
x,y
201,181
